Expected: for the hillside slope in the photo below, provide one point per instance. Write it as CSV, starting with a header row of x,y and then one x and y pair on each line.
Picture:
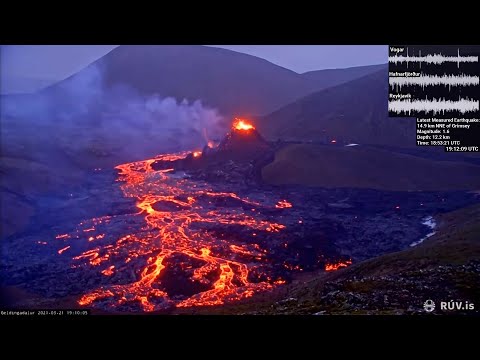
x,y
233,82
332,77
356,111
335,166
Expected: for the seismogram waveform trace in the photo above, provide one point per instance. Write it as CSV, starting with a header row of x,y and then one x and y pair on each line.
x,y
435,106
432,59
433,80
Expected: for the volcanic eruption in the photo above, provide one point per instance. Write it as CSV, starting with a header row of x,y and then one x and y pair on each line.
x,y
242,144
240,124
199,239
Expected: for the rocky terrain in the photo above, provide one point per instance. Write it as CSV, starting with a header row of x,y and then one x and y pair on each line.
x,y
322,226
399,294
444,268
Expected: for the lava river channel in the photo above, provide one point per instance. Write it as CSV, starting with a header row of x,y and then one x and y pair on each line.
x,y
174,259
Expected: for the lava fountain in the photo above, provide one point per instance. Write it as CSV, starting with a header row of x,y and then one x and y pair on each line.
x,y
241,124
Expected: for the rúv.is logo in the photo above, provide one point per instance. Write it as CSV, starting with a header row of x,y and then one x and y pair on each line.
x,y
429,305
456,305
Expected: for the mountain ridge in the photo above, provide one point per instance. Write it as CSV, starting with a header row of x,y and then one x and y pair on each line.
x,y
356,111
236,83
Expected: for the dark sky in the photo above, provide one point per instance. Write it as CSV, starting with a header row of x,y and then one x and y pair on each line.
x,y
24,66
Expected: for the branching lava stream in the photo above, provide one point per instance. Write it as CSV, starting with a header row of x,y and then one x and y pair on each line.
x,y
176,247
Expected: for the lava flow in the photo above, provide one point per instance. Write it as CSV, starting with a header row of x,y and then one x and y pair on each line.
x,y
179,257
282,204
338,265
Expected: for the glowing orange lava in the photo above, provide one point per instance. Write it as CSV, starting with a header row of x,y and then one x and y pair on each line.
x,y
338,265
63,249
101,236
240,124
108,271
210,143
174,211
197,153
282,204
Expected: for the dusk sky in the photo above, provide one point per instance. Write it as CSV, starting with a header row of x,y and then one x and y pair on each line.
x,y
26,66
302,58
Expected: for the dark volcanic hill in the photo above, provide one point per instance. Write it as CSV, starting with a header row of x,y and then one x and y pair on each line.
x,y
235,83
336,166
352,112
333,77
242,145
231,81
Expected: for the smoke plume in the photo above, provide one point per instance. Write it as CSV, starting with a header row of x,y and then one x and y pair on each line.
x,y
85,121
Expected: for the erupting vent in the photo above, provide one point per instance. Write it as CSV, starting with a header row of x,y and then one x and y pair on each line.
x,y
240,124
